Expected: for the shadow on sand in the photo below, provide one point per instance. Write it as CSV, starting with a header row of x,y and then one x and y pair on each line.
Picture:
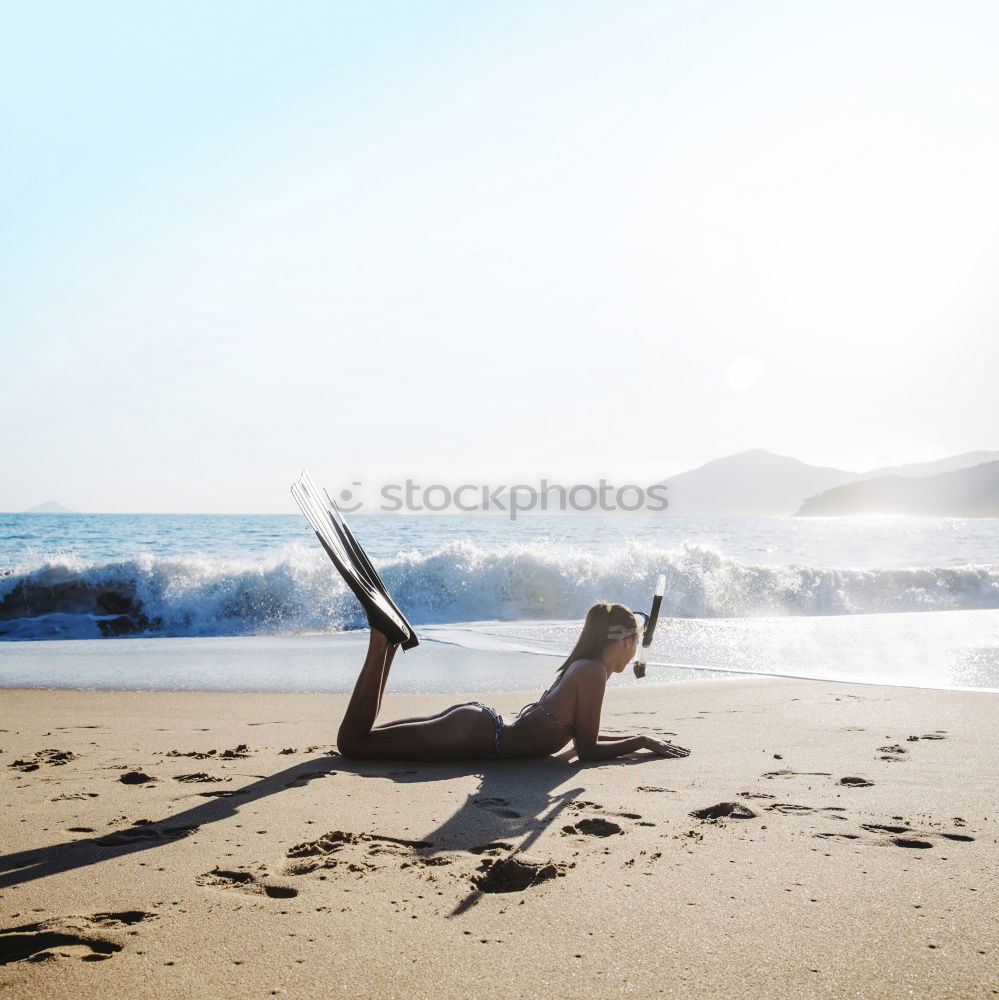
x,y
515,801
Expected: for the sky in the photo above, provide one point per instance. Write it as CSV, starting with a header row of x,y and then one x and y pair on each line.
x,y
488,243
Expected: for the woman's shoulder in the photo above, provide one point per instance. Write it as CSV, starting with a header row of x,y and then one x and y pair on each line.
x,y
586,668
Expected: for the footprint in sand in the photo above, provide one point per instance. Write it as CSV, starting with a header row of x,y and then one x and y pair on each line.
x,y
724,810
593,828
498,806
923,841
66,937
789,808
355,852
494,847
135,778
138,834
44,758
36,943
855,782
515,874
245,882
792,809
198,776
913,839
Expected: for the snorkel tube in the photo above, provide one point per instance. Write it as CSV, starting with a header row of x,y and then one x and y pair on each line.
x,y
650,628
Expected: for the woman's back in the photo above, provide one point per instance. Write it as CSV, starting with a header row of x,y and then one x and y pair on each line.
x,y
545,726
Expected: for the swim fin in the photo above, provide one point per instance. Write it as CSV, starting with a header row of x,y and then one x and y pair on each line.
x,y
352,561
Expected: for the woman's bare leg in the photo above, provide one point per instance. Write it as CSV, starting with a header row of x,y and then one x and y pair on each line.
x,y
362,710
385,672
459,732
411,718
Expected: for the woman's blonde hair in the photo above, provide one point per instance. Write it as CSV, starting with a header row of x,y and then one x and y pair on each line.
x,y
593,640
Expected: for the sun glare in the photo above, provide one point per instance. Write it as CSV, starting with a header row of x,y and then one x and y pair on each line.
x,y
745,373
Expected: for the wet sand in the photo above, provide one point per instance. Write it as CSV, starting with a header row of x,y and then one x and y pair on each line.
x,y
821,840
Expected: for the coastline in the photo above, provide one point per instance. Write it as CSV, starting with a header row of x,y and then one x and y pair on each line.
x,y
308,664
939,650
302,873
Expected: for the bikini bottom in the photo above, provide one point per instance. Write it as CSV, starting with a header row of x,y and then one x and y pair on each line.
x,y
498,726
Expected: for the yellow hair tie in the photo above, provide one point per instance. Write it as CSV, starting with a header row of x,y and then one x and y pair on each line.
x,y
608,609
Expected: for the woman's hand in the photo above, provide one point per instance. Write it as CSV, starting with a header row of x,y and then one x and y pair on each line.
x,y
663,749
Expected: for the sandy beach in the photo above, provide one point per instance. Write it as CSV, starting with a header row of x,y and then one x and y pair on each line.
x,y
215,845
645,335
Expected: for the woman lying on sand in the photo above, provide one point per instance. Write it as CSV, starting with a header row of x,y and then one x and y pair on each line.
x,y
569,709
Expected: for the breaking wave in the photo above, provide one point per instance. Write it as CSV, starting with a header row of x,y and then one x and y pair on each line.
x,y
299,591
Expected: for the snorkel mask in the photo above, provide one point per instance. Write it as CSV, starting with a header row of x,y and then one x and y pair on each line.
x,y
650,627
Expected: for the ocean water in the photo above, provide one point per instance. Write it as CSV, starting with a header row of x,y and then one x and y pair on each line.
x,y
886,599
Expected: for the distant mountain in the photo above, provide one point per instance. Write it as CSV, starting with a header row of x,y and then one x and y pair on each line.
x,y
752,482
758,483
970,492
51,507
963,461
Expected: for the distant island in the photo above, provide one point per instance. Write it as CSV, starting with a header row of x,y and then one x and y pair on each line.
x,y
759,483
49,507
970,492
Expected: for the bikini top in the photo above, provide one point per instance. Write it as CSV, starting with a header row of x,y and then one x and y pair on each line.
x,y
571,730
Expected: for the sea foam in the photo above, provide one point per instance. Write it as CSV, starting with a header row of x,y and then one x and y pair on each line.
x,y
298,590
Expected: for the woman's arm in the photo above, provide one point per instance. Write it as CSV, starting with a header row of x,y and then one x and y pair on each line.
x,y
620,745
591,681
607,747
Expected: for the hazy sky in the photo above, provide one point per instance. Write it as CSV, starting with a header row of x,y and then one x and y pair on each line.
x,y
475,241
